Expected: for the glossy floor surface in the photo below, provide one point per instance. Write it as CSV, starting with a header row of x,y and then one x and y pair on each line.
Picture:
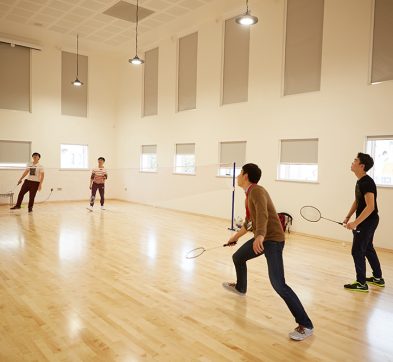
x,y
115,285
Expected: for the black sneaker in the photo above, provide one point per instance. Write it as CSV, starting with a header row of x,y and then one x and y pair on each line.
x,y
16,207
379,282
357,287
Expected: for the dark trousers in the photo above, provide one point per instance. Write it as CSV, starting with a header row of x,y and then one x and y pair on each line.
x,y
32,188
273,254
101,190
362,248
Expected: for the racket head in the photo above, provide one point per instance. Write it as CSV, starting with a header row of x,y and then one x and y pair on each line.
x,y
194,253
310,213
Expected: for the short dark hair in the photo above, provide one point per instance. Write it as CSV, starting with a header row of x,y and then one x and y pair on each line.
x,y
36,154
253,171
366,160
101,158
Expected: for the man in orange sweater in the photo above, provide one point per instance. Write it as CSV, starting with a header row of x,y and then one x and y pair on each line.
x,y
269,239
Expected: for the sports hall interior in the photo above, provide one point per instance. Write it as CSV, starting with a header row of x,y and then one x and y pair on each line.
x,y
299,93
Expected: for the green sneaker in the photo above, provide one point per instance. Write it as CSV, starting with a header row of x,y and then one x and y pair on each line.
x,y
357,287
379,282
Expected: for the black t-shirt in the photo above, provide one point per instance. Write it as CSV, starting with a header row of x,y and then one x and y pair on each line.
x,y
363,186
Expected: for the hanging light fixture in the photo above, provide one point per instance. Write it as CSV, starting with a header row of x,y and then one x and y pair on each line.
x,y
136,60
246,18
77,82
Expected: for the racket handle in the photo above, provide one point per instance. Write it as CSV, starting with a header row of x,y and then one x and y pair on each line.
x,y
230,244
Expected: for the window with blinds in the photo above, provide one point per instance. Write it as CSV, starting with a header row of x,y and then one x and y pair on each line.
x,y
14,154
185,158
187,72
298,160
236,62
150,83
231,152
381,150
303,46
14,77
148,158
73,99
382,52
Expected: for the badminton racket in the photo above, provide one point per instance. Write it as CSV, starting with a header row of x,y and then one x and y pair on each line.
x,y
312,214
194,253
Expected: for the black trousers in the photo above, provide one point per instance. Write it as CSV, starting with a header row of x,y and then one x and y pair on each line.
x,y
32,188
362,248
101,190
273,253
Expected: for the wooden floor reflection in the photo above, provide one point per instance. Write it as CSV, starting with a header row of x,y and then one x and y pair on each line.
x,y
114,285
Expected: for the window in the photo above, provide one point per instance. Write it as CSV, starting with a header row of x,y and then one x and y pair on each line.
x,y
231,152
150,83
298,160
303,46
236,62
14,154
382,52
185,158
381,150
15,77
73,99
73,156
149,158
187,72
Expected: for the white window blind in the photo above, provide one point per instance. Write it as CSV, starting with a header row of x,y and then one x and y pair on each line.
x,y
236,62
150,100
303,46
187,72
73,99
14,77
14,153
382,54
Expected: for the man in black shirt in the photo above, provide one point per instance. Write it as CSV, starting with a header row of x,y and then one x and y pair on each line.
x,y
364,226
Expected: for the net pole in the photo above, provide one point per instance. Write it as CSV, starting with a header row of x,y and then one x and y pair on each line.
x,y
233,197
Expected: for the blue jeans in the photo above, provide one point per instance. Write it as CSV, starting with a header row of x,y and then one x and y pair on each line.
x,y
363,248
275,264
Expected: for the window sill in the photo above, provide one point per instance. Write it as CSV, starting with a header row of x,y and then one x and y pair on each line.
x,y
298,181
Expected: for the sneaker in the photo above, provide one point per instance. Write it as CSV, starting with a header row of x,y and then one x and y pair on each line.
x,y
300,333
232,288
379,282
30,210
90,208
16,207
357,287
102,207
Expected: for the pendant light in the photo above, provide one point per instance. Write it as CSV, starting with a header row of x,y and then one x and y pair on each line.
x,y
246,18
136,60
77,82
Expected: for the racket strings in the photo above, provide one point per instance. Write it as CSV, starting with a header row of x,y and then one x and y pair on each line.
x,y
310,213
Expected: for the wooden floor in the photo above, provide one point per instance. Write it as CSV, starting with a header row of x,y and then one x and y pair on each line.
x,y
114,286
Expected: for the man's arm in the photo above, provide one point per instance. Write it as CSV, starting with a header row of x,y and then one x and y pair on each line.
x,y
23,176
42,175
235,237
261,217
350,212
91,180
370,206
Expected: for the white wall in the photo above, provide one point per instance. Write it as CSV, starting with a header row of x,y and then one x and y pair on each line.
x,y
46,128
341,115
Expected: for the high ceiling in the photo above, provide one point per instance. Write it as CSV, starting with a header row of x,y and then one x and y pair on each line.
x,y
66,18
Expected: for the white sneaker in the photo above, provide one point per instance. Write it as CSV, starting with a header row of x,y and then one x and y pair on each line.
x,y
90,208
300,333
103,208
232,288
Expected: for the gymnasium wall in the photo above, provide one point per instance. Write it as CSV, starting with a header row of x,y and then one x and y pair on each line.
x,y
340,115
46,128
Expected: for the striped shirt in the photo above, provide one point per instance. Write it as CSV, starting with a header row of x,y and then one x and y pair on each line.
x,y
99,175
